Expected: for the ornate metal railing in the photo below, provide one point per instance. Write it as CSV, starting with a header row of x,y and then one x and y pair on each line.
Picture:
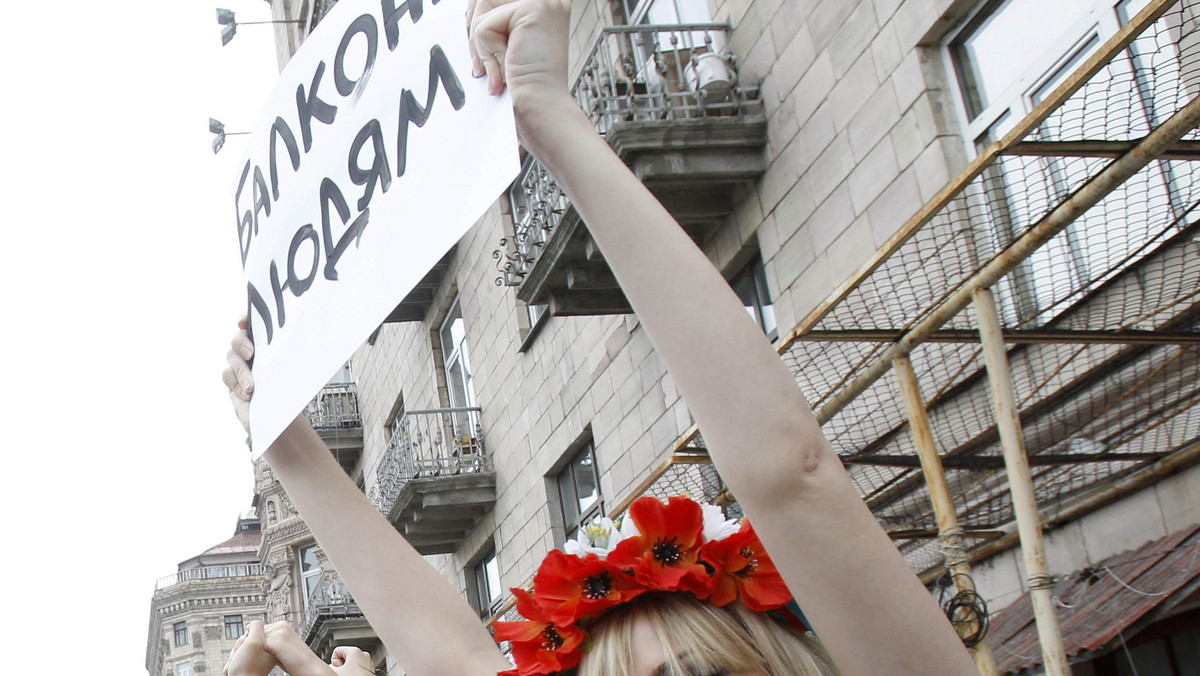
x,y
209,573
329,599
661,72
435,442
632,74
334,407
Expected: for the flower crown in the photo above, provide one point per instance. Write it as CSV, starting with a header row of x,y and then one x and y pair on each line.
x,y
678,546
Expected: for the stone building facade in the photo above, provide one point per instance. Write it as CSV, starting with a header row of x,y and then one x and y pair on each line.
x,y
197,613
514,396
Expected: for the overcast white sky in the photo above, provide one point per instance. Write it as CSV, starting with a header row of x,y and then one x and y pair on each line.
x,y
121,284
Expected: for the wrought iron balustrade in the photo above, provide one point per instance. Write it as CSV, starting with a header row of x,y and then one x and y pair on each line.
x,y
430,443
334,407
643,73
661,72
209,573
329,599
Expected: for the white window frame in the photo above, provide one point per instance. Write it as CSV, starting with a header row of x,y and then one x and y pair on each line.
x,y
183,668
457,354
595,508
306,575
1016,100
1024,295
481,581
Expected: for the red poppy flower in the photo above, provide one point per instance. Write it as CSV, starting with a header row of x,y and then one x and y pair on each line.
x,y
665,554
743,567
538,645
572,588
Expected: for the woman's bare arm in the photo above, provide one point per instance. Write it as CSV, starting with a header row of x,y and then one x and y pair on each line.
x,y
423,621
869,609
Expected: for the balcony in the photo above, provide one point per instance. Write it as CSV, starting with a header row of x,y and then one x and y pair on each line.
x,y
222,573
668,101
332,618
334,414
416,304
435,480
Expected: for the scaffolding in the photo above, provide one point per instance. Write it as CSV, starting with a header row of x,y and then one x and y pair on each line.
x,y
1077,226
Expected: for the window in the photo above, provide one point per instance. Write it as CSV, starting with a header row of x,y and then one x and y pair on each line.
x,y
750,285
577,489
483,580
459,380
666,11
1008,57
181,637
233,626
310,571
183,669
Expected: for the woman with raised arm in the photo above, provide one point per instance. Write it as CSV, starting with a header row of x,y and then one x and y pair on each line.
x,y
673,590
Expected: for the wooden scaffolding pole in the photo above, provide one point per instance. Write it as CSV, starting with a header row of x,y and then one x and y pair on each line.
x,y
950,534
1020,485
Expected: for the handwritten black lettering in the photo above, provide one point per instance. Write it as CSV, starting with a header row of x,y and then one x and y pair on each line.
x,y
309,106
262,201
366,25
300,284
331,194
392,15
245,219
412,111
281,130
378,171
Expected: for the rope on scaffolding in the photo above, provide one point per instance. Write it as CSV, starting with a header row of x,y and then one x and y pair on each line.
x,y
954,547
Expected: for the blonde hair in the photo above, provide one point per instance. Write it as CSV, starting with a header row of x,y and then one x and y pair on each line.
x,y
698,637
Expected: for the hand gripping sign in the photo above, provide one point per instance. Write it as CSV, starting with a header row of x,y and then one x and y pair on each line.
x,y
377,152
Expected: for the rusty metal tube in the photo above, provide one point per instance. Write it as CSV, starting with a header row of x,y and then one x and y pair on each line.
x,y
949,532
1020,485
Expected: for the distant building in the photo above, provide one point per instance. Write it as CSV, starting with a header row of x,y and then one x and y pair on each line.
x,y
197,613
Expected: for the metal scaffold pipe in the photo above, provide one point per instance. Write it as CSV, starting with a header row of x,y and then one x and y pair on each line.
x,y
949,531
1020,485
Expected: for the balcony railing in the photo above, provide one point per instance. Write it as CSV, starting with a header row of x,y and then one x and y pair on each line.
x,y
661,72
329,599
334,407
209,573
633,74
430,443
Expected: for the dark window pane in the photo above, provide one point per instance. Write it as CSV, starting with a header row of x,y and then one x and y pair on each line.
x,y
568,502
233,626
584,471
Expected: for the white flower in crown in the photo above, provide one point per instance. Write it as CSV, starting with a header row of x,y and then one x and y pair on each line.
x,y
598,537
602,534
716,526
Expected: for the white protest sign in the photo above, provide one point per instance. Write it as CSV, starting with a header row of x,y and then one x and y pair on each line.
x,y
377,152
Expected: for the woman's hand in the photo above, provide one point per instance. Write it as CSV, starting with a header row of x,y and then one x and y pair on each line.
x,y
292,653
350,661
521,44
237,375
249,656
